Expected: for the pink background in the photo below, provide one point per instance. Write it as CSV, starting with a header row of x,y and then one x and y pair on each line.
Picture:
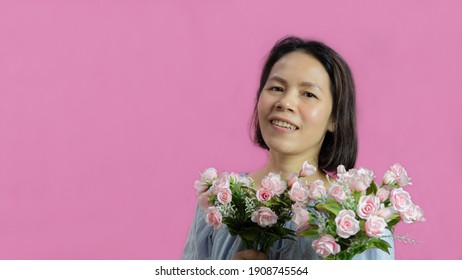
x,y
110,109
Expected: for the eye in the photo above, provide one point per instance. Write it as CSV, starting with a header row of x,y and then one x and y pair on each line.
x,y
309,94
276,88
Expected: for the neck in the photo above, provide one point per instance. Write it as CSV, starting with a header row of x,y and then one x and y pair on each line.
x,y
286,164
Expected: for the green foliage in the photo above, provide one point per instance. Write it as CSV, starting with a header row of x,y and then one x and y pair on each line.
x,y
252,235
357,195
331,205
372,189
386,202
379,244
311,233
395,219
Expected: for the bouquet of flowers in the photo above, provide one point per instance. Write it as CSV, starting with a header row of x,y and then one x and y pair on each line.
x,y
257,216
356,214
352,215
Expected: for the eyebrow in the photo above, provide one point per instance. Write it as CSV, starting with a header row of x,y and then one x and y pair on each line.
x,y
303,84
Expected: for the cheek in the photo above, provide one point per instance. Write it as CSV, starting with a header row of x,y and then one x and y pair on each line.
x,y
263,107
263,103
318,116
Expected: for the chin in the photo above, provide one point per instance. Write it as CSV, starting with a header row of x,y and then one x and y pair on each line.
x,y
287,149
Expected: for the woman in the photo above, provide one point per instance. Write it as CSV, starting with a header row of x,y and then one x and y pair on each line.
x,y
304,111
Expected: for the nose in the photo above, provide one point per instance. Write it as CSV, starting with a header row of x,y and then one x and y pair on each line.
x,y
287,102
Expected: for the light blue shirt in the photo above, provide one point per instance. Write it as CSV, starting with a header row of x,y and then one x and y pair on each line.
x,y
206,243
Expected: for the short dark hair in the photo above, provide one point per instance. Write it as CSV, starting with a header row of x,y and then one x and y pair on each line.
x,y
340,146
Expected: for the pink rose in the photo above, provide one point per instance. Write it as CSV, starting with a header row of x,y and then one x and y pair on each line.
x,y
361,179
300,216
224,196
203,200
420,214
200,187
307,170
382,194
221,183
213,217
386,213
345,177
341,170
375,226
246,181
292,178
274,183
298,193
396,174
413,214
367,206
388,178
337,193
264,217
316,190
346,223
400,199
208,175
263,195
325,246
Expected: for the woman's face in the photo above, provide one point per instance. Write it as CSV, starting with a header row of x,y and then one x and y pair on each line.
x,y
294,108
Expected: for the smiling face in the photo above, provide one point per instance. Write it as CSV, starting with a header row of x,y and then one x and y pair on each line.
x,y
294,108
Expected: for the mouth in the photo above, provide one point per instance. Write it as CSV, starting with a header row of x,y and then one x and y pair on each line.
x,y
284,124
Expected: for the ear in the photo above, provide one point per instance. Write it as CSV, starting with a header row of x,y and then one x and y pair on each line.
x,y
330,127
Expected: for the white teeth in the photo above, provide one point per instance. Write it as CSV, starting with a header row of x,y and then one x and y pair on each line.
x,y
284,124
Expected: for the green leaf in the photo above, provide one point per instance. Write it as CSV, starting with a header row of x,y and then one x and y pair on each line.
x,y
312,232
358,250
343,255
394,220
312,219
251,234
357,196
331,205
281,231
362,224
386,202
372,189
379,244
